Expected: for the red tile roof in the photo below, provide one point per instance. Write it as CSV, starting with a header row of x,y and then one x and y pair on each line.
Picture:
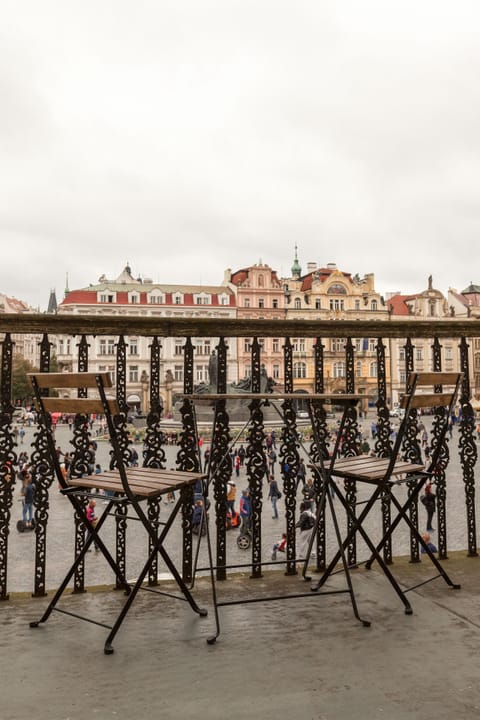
x,y
397,304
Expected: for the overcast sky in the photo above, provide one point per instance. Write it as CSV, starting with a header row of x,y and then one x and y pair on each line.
x,y
190,136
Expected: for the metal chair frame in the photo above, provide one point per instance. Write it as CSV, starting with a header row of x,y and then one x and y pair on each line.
x,y
382,474
132,486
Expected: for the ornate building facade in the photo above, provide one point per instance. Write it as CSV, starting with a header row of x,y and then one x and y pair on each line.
x,y
328,293
428,304
259,294
28,346
127,295
467,304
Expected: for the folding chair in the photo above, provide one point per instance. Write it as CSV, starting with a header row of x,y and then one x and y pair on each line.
x,y
129,486
437,390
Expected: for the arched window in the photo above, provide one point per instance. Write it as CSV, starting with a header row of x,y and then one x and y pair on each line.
x,y
298,304
373,370
337,289
374,305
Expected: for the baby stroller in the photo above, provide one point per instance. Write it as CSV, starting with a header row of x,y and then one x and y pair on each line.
x,y
232,520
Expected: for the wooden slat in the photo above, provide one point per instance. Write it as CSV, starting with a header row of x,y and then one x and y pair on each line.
x,y
426,400
86,406
115,485
70,380
431,400
438,378
372,469
143,482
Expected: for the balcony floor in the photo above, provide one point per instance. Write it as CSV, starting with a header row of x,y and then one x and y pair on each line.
x,y
303,659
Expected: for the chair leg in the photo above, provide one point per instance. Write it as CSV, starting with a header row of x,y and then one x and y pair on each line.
x,y
365,623
442,572
357,527
62,587
92,535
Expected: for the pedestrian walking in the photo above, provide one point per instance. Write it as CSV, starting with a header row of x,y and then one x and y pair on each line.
x,y
28,494
306,523
301,473
429,501
231,495
274,494
245,512
272,459
308,492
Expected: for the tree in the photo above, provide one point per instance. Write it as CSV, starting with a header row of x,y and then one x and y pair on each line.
x,y
21,387
22,393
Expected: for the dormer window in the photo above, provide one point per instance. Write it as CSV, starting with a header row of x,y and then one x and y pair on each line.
x,y
177,298
156,297
202,299
223,299
134,298
106,296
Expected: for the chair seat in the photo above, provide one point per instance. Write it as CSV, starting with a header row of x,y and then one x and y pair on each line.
x,y
143,482
372,469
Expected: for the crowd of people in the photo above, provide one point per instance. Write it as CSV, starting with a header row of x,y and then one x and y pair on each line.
x,y
240,515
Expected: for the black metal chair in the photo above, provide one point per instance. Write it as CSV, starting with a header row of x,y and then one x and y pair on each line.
x,y
130,486
438,390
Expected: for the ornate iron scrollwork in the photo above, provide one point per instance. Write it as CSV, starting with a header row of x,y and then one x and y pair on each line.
x,y
382,442
256,466
318,418
220,463
443,460
43,473
153,453
290,461
350,447
468,450
188,458
8,460
411,452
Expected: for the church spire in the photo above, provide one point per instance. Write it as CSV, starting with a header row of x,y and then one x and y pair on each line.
x,y
296,269
52,303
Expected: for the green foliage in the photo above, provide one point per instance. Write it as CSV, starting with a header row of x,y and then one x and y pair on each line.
x,y
21,387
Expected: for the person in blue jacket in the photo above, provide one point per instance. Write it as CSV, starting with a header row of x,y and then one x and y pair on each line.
x,y
245,512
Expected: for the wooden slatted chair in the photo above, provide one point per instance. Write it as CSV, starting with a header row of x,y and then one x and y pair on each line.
x,y
129,485
436,390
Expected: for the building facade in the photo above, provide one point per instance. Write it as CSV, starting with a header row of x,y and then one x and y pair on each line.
x,y
27,346
428,304
127,295
328,293
260,295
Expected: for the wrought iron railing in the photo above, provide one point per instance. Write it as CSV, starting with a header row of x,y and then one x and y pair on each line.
x,y
188,458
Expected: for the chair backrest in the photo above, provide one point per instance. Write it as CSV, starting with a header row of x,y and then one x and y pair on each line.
x,y
430,390
70,381
97,403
